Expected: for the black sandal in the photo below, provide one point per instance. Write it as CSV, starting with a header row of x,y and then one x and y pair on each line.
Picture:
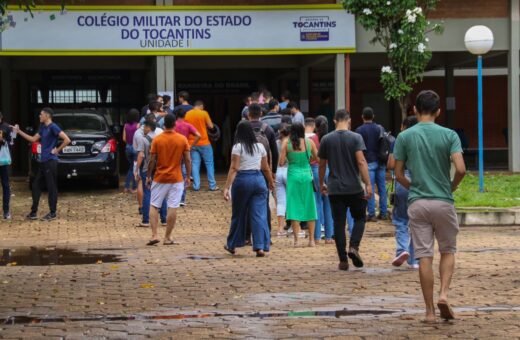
x,y
152,242
231,251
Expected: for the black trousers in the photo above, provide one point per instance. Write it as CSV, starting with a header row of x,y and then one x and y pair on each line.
x,y
339,205
4,174
48,172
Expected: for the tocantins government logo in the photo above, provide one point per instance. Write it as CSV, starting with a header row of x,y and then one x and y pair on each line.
x,y
314,28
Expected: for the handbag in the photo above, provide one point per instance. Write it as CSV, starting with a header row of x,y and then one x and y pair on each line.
x,y
5,155
314,186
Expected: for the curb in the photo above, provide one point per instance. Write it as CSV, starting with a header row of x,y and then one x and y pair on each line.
x,y
488,216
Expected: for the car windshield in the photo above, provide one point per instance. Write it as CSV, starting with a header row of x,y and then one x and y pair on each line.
x,y
80,122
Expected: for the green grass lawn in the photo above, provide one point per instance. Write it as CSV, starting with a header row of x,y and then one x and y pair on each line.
x,y
501,191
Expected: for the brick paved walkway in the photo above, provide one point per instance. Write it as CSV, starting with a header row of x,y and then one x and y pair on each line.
x,y
173,291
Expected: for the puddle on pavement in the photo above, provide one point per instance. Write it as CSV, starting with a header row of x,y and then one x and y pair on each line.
x,y
202,257
23,319
491,250
34,256
389,234
16,320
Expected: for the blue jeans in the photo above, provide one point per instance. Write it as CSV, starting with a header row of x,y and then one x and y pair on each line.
x,y
350,222
4,174
199,154
183,170
248,196
377,174
323,207
400,220
281,192
130,156
146,202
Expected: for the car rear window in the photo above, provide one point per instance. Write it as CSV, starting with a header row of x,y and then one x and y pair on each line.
x,y
80,123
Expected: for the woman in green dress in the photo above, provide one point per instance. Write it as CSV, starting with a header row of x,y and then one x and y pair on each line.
x,y
301,204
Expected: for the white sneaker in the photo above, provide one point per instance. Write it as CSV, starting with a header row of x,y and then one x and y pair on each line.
x,y
302,234
414,266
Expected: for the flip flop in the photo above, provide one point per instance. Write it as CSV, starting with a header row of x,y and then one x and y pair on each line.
x,y
152,242
446,311
429,322
169,243
231,251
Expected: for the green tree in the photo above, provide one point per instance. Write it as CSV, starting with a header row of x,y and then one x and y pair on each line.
x,y
27,5
402,28
6,21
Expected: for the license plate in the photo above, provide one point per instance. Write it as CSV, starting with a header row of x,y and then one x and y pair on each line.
x,y
74,149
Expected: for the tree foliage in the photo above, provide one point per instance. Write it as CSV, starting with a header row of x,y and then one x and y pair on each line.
x,y
6,20
27,5
402,28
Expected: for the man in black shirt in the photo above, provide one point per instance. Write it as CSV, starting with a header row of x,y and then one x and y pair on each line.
x,y
342,151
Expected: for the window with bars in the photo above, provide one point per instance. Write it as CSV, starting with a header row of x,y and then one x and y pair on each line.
x,y
72,96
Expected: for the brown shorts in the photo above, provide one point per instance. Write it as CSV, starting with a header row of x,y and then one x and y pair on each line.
x,y
429,219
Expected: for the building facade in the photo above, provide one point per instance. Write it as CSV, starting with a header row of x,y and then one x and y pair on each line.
x,y
116,81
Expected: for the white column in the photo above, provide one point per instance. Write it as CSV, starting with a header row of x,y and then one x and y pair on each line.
x,y
514,88
339,82
164,70
304,89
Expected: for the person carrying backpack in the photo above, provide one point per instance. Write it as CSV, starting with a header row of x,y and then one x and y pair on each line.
x,y
374,136
266,136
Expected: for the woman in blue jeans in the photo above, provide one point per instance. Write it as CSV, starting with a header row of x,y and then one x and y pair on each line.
x,y
404,247
131,125
246,188
281,181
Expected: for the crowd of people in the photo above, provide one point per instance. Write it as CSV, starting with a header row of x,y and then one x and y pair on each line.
x,y
324,179
321,177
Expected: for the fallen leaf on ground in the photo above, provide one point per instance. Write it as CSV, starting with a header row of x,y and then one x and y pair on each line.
x,y
147,285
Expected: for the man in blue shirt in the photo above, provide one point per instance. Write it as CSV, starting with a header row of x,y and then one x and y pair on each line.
x,y
372,133
184,103
48,136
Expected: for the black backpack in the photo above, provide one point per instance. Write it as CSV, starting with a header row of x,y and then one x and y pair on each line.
x,y
385,142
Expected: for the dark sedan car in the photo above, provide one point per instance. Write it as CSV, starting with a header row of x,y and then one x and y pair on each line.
x,y
92,153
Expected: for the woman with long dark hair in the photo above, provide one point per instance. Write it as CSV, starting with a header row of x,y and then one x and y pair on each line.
x,y
281,180
131,125
246,188
301,204
321,128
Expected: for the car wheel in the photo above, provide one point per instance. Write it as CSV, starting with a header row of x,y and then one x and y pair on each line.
x,y
113,182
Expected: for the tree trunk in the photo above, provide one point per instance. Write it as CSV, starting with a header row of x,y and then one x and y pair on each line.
x,y
404,103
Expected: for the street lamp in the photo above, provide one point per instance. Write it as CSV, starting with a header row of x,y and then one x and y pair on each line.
x,y
479,40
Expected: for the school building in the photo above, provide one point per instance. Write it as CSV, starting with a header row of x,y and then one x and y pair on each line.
x,y
108,55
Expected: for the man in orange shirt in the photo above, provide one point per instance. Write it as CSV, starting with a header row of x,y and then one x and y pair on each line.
x,y
167,153
200,119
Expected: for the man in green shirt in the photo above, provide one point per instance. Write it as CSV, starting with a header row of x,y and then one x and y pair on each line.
x,y
427,151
